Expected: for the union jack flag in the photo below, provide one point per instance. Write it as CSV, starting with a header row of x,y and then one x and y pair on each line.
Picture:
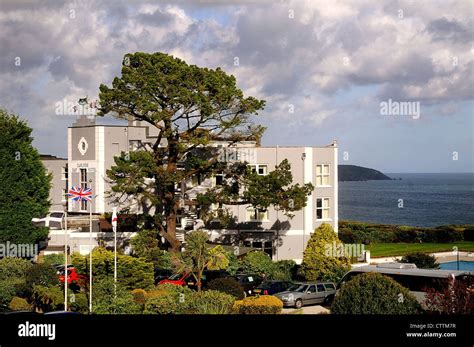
x,y
80,194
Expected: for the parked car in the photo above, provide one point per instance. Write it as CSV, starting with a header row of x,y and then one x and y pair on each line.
x,y
248,282
162,274
5,310
188,279
271,287
302,294
61,313
178,279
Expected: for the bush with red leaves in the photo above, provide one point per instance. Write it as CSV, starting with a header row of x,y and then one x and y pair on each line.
x,y
456,298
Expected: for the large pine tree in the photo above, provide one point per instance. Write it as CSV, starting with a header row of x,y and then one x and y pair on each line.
x,y
191,107
24,183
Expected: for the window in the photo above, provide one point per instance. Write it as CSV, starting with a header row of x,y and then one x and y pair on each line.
x,y
268,248
329,286
322,208
219,179
64,195
261,170
83,186
312,289
255,214
322,175
64,173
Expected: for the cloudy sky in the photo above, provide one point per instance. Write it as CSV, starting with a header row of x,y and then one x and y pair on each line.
x,y
323,70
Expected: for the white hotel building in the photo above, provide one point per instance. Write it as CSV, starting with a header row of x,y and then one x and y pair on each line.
x,y
91,151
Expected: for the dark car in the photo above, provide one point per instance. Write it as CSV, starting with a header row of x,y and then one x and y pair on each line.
x,y
7,310
61,313
271,287
248,282
207,276
162,274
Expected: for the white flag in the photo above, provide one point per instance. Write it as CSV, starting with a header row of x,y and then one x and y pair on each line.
x,y
114,218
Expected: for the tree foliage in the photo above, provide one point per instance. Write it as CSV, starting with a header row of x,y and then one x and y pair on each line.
x,y
455,298
242,186
24,192
13,276
104,300
258,262
317,263
199,256
146,245
131,272
190,106
421,260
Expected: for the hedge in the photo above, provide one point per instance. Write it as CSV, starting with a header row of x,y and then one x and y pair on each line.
x,y
265,304
19,304
210,302
359,232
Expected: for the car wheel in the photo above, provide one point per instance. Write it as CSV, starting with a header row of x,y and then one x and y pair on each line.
x,y
328,300
299,303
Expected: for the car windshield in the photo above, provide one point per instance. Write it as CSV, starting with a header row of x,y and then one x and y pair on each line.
x,y
175,277
298,288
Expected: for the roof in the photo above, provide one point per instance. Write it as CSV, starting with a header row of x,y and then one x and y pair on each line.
x,y
50,157
413,272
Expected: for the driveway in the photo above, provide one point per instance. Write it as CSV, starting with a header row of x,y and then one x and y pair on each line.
x,y
313,309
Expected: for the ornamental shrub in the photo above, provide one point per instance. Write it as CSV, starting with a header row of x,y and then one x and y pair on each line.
x,y
19,304
265,304
258,262
139,296
47,299
79,302
167,299
374,293
104,300
317,263
209,302
284,270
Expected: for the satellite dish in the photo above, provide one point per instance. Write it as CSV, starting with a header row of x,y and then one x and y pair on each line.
x,y
82,101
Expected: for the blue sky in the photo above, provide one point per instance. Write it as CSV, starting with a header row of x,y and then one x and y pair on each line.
x,y
333,65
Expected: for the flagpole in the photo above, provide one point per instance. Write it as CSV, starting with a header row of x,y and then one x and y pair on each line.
x,y
65,260
90,257
114,224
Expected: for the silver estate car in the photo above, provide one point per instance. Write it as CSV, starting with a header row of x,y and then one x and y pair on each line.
x,y
308,293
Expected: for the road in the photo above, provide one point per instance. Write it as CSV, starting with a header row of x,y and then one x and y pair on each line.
x,y
312,309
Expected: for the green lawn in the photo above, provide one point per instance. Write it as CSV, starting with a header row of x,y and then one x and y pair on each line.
x,y
394,249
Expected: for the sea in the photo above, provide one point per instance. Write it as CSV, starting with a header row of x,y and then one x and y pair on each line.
x,y
415,199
